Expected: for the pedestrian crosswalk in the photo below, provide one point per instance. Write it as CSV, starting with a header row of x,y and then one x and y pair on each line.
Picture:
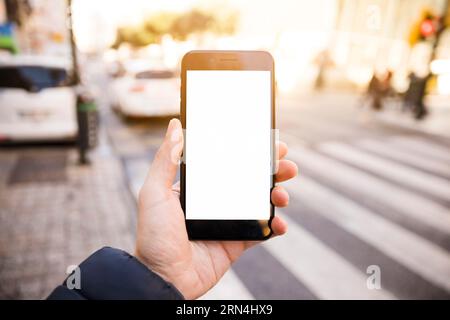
x,y
381,201
417,161
421,256
375,190
424,183
355,204
327,274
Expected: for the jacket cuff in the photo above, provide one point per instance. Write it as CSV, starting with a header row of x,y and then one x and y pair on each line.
x,y
114,274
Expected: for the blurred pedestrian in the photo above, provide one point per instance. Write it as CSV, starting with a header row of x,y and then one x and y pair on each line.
x,y
323,62
414,96
378,90
373,92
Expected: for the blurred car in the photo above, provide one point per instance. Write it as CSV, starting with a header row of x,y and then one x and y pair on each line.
x,y
36,101
141,91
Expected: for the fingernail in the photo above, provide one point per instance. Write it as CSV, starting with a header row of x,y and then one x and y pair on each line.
x,y
174,130
176,135
170,125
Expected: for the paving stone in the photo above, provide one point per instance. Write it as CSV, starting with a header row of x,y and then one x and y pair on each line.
x,y
45,226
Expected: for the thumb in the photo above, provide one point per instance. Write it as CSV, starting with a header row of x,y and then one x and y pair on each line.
x,y
164,167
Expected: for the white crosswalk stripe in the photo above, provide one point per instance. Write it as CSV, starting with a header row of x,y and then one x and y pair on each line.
x,y
137,170
414,252
408,203
326,273
386,149
389,169
229,288
420,146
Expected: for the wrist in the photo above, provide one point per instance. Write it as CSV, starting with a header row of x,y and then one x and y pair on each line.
x,y
188,292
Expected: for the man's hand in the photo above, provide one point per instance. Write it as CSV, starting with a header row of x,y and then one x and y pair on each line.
x,y
193,267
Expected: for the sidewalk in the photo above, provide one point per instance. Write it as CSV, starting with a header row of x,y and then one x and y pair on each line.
x,y
437,122
54,213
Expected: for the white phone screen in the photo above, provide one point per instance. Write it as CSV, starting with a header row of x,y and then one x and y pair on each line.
x,y
228,145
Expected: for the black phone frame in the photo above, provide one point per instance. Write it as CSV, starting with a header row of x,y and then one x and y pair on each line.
x,y
227,60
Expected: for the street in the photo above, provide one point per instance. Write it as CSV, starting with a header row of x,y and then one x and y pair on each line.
x,y
368,194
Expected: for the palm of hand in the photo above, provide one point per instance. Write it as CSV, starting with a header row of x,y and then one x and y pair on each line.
x,y
190,265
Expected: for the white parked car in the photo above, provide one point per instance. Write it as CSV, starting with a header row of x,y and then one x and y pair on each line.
x,y
36,102
146,93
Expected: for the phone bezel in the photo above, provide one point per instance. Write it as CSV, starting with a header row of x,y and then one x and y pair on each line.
x,y
227,60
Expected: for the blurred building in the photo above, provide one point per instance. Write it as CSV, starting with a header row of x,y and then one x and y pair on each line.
x,y
341,42
39,26
375,35
2,12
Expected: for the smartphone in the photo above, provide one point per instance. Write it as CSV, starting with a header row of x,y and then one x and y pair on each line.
x,y
227,171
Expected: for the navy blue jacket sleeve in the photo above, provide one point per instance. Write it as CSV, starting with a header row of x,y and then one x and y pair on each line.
x,y
114,274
